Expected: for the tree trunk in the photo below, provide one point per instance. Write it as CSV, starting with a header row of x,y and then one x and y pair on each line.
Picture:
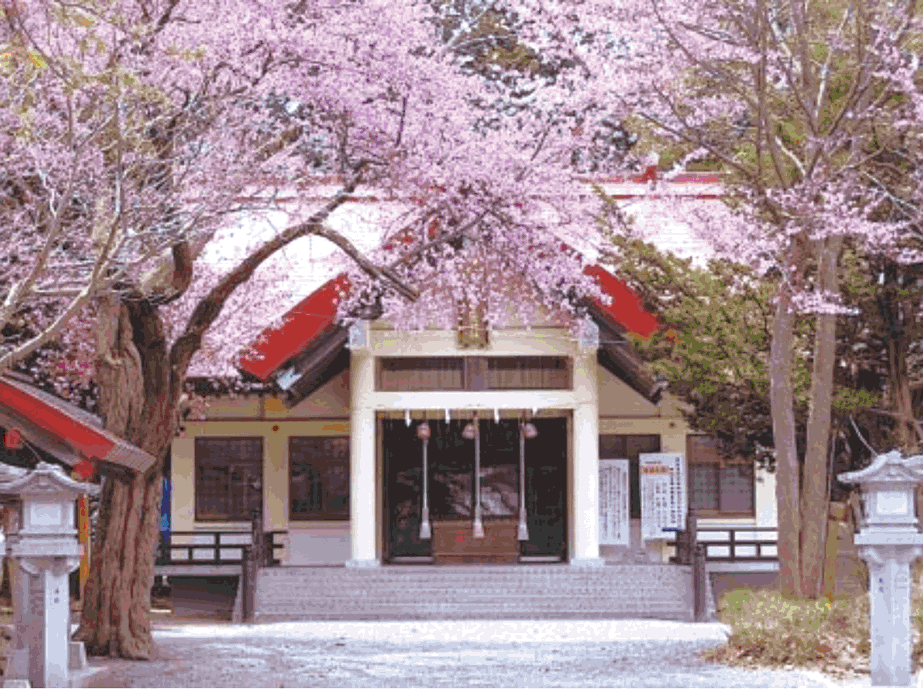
x,y
899,387
814,501
138,399
781,397
140,381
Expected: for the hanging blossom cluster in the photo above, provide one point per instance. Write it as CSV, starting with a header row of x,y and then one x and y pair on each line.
x,y
782,106
128,127
505,270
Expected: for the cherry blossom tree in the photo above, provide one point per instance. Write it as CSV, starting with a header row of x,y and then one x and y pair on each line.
x,y
138,132
794,102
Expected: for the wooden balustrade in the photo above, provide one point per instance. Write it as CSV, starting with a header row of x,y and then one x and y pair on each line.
x,y
729,539
224,547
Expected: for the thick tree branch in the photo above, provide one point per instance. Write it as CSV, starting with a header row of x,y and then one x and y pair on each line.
x,y
209,308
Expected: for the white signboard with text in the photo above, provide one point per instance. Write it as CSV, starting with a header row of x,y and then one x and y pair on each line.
x,y
614,527
663,494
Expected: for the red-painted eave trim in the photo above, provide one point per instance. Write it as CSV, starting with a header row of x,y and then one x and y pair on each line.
x,y
308,319
88,441
317,312
625,307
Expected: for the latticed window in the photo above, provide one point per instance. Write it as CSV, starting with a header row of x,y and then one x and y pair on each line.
x,y
229,475
319,478
528,373
407,374
418,373
718,486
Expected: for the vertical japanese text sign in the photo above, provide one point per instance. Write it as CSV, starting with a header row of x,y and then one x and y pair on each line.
x,y
663,494
613,502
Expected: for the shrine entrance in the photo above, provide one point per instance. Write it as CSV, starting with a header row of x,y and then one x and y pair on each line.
x,y
474,491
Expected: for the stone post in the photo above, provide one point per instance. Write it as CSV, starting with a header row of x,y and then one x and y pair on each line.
x,y
45,551
889,542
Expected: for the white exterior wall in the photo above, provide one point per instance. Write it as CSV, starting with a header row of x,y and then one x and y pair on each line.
x,y
326,412
599,403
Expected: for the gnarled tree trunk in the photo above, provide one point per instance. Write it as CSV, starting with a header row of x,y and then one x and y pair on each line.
x,y
138,401
140,380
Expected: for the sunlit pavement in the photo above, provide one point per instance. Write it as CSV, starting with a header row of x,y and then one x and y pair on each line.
x,y
608,653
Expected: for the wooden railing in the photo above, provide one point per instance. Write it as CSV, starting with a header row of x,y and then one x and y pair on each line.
x,y
216,547
736,543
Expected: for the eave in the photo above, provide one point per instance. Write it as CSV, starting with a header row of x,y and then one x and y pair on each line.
x,y
64,431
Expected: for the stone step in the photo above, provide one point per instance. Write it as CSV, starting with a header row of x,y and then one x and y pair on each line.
x,y
344,605
482,580
474,592
464,594
355,607
464,597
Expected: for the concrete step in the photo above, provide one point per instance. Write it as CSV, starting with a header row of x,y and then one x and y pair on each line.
x,y
474,592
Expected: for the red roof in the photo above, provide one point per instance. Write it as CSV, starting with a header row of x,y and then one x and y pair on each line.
x,y
317,312
308,319
39,416
625,307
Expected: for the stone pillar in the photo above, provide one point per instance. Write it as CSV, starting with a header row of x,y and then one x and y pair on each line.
x,y
584,498
41,638
45,551
889,542
363,505
889,598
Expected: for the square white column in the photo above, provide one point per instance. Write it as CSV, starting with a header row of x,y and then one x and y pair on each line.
x,y
584,527
363,506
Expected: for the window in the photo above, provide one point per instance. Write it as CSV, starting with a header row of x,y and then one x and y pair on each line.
x,y
629,447
229,475
417,373
474,373
318,478
528,373
717,486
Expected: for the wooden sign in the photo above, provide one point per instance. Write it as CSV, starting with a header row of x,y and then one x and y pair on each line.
x,y
614,527
663,494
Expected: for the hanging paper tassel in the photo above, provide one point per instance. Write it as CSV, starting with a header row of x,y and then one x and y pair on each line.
x,y
523,527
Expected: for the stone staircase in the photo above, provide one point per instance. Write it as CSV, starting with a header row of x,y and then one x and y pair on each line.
x,y
395,592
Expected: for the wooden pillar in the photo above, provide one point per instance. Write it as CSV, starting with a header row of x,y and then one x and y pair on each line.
x,y
83,536
700,583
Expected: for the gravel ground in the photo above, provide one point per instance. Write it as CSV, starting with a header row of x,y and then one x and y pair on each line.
x,y
617,653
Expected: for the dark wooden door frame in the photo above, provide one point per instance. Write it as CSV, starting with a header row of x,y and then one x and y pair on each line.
x,y
385,470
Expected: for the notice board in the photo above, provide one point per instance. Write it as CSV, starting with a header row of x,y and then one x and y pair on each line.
x,y
663,494
614,527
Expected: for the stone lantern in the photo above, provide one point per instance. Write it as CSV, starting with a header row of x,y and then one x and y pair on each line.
x,y
44,548
889,541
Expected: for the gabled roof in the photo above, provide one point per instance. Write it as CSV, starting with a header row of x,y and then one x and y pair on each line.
x,y
64,431
316,315
312,346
